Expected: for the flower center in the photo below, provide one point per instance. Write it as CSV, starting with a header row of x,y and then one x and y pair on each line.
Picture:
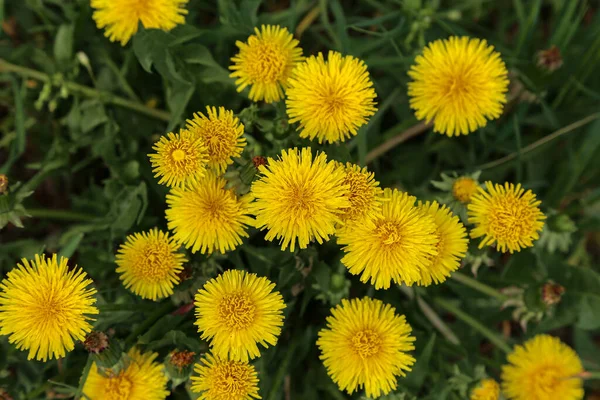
x,y
266,62
155,264
220,138
511,219
545,380
118,388
390,233
236,311
360,196
232,380
178,155
366,343
463,188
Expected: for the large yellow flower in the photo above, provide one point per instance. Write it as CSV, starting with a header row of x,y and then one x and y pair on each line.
x,y
543,368
451,244
179,158
505,215
149,263
365,345
44,307
122,17
222,379
141,379
488,389
299,198
222,133
364,194
397,246
459,83
265,63
331,99
236,311
207,217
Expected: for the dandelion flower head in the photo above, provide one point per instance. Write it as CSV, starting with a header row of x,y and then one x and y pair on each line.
x,y
505,215
206,217
265,63
542,368
366,345
364,194
44,306
488,389
464,188
331,99
222,379
459,83
236,311
149,263
299,198
394,247
222,133
122,17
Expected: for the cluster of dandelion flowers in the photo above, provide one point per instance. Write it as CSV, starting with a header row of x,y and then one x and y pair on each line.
x,y
140,379
265,63
488,389
397,246
149,263
44,306
505,215
542,368
223,379
364,194
179,159
222,133
330,99
464,188
206,217
365,345
122,17
451,244
236,311
459,83
298,198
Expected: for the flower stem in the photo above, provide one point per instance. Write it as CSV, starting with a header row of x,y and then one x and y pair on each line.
x,y
475,324
63,215
73,87
395,141
480,287
589,375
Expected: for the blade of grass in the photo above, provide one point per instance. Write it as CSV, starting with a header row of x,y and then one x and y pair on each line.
x,y
18,144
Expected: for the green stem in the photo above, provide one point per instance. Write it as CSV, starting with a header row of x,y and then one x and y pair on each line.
x,y
480,287
475,324
151,320
590,375
85,91
279,376
63,215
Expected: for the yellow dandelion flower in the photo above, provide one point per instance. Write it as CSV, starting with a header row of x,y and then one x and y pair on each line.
x,y
141,379
222,379
542,368
365,345
331,99
364,194
207,217
505,215
179,158
122,17
222,133
148,264
488,389
236,311
44,306
265,63
452,244
394,247
299,198
459,83
464,188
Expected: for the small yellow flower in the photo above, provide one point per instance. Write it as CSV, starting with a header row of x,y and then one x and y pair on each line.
x,y
505,215
464,188
44,307
265,63
236,311
207,217
179,158
542,368
331,99
459,83
451,244
222,133
122,17
148,264
397,246
365,345
364,194
299,198
222,379
488,389
141,379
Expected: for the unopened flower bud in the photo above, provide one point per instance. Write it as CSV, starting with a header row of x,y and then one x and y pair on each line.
x,y
96,342
552,293
3,183
550,59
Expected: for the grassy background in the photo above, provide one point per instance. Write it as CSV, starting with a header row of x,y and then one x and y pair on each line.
x,y
78,115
